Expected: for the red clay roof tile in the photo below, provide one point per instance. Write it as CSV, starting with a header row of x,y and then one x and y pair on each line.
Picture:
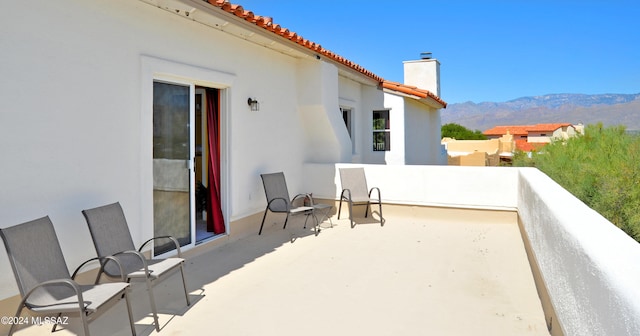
x,y
502,130
524,129
547,127
412,90
525,146
267,24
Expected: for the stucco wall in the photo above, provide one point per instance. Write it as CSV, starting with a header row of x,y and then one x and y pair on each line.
x,y
397,120
464,187
76,131
590,266
350,97
318,106
415,134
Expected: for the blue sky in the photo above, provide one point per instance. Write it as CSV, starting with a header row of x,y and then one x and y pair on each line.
x,y
488,50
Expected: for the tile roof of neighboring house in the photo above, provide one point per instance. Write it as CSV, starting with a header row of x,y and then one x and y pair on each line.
x,y
268,24
502,130
525,146
548,127
524,129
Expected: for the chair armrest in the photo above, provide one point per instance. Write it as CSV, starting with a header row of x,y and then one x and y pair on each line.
x,y
136,253
378,190
305,196
73,276
348,192
175,242
65,282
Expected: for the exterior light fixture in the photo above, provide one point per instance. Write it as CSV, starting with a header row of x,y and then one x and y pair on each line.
x,y
255,106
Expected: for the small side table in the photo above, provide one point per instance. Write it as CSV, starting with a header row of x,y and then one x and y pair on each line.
x,y
324,210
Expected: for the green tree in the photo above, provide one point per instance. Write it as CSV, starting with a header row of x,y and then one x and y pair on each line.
x,y
460,132
601,168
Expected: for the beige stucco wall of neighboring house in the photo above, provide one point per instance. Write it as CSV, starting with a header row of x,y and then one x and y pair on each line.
x,y
478,152
537,137
561,133
468,146
479,159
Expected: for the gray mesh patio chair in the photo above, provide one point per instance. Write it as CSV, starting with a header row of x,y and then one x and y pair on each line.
x,y
43,278
111,237
275,188
355,192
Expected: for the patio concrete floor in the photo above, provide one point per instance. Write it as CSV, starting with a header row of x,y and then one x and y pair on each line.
x,y
461,274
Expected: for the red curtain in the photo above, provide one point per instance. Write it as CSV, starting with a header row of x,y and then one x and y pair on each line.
x,y
215,220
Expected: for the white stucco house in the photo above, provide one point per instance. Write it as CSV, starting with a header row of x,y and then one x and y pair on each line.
x,y
141,101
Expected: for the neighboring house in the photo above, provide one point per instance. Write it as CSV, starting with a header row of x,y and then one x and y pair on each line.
x,y
534,137
142,101
479,152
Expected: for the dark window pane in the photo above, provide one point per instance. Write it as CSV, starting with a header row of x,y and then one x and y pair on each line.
x,y
381,141
170,121
380,120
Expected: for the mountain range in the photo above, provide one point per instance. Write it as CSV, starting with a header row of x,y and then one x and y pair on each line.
x,y
609,109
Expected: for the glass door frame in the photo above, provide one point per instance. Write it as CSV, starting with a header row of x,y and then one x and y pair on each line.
x,y
190,164
152,69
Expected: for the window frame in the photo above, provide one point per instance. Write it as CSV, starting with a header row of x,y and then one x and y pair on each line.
x,y
385,130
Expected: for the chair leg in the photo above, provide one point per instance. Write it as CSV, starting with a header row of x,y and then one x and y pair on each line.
x,y
340,208
55,325
263,218
380,209
152,301
366,211
285,221
131,324
85,323
184,285
351,214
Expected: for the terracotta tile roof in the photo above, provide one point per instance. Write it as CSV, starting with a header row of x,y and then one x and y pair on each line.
x,y
412,90
267,23
547,127
524,129
525,146
513,130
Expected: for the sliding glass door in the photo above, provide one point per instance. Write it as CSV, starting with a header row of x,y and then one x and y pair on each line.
x,y
172,164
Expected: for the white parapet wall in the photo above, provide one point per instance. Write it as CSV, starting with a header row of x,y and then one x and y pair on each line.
x,y
590,268
462,187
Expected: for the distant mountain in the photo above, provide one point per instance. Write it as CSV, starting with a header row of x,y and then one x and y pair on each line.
x,y
610,109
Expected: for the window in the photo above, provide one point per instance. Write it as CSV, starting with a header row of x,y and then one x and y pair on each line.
x,y
346,116
381,134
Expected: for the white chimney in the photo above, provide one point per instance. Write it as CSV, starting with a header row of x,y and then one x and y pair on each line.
x,y
423,73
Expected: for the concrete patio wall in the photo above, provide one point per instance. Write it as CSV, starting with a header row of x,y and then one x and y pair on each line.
x,y
462,187
590,267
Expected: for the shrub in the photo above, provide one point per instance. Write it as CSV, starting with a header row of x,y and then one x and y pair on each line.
x,y
460,132
601,168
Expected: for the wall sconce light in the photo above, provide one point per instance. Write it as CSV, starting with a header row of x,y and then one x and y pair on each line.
x,y
255,106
